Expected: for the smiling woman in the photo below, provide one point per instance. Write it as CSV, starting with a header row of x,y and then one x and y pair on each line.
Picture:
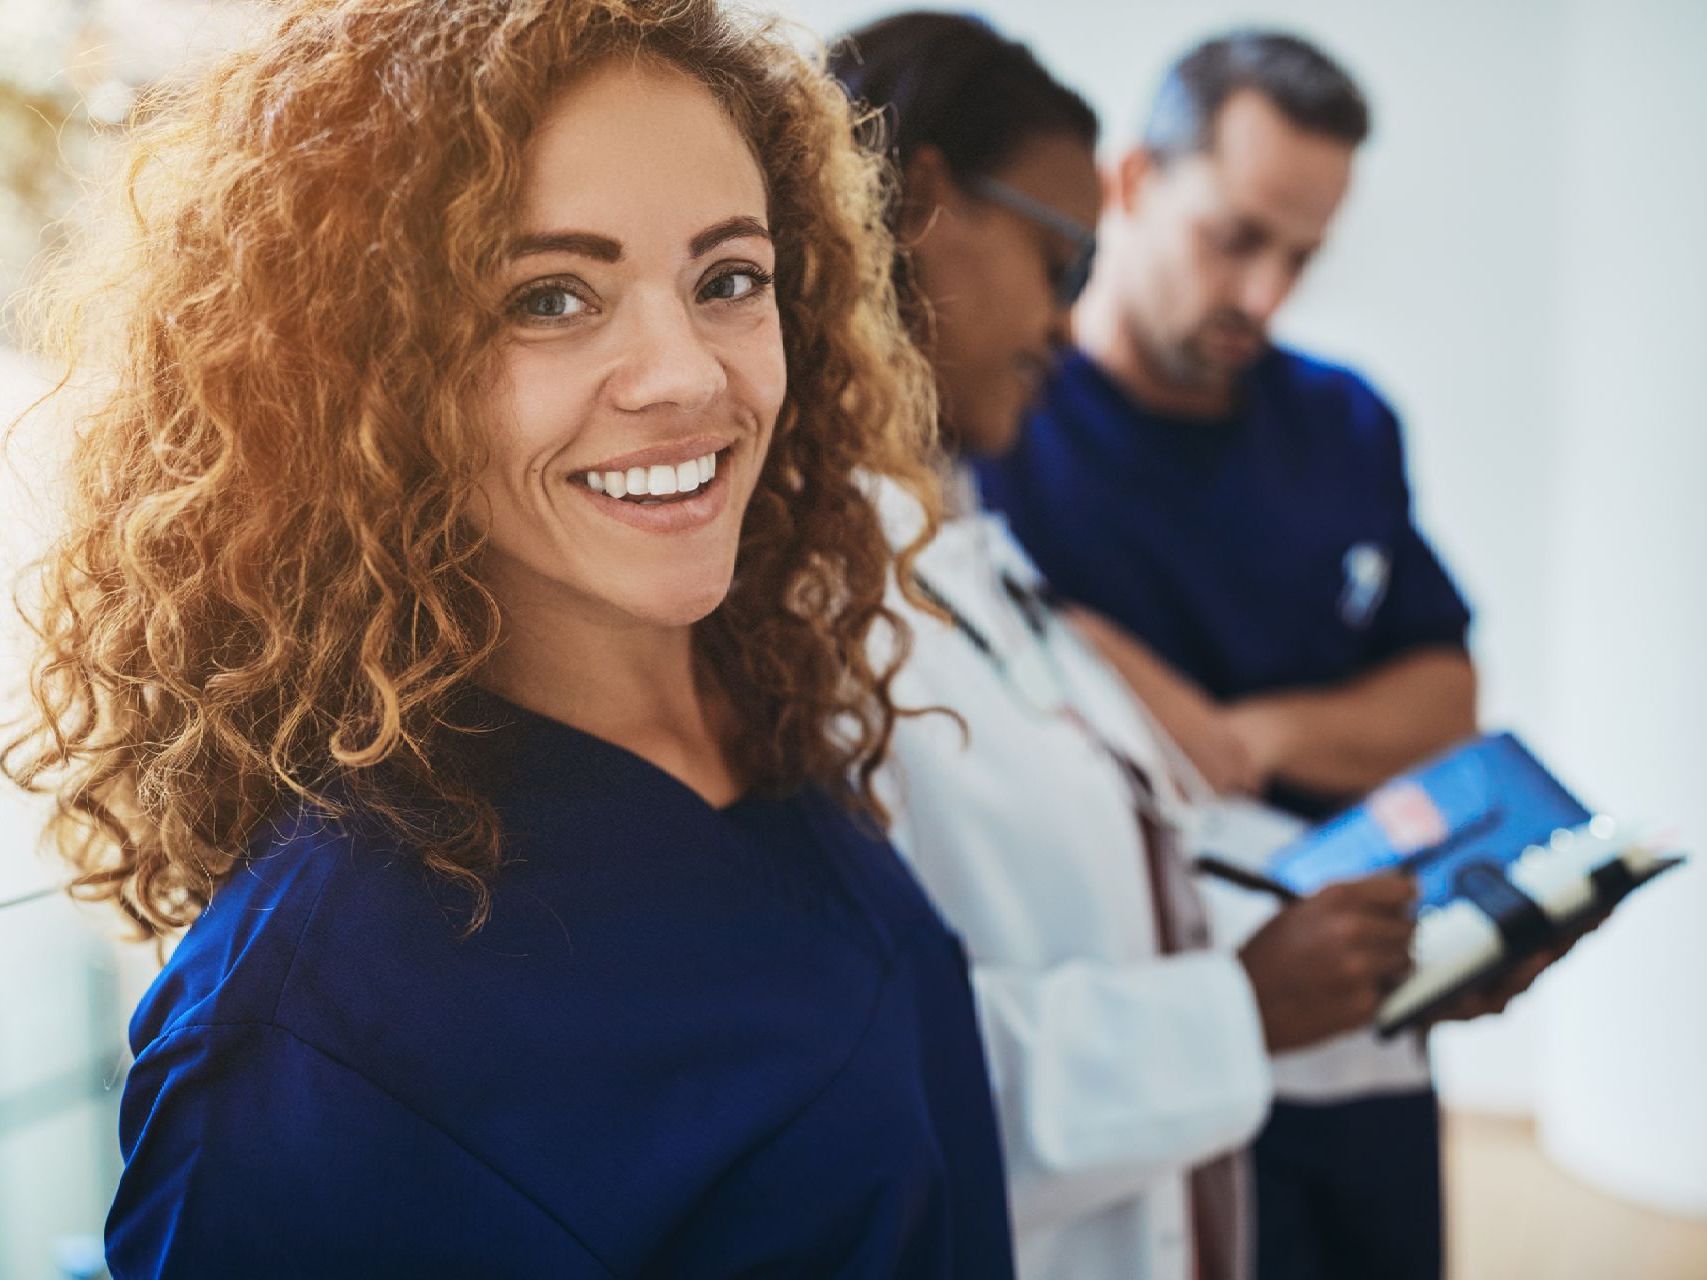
x,y
462,626
642,342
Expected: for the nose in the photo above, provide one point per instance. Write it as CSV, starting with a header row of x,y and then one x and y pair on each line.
x,y
1265,286
666,361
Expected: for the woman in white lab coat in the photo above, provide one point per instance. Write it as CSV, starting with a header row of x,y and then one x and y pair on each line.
x,y
1130,1060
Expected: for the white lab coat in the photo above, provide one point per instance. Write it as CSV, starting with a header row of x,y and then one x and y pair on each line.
x,y
1115,1069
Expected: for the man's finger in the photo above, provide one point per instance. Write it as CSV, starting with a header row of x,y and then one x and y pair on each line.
x,y
1387,893
1384,932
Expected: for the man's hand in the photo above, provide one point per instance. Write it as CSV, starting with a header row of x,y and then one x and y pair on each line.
x,y
1492,998
1205,733
1323,965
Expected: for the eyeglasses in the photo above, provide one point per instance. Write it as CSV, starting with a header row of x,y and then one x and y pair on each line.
x,y
1068,280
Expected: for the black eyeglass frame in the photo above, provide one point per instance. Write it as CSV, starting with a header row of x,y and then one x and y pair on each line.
x,y
1069,281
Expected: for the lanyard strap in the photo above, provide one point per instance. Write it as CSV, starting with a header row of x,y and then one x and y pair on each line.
x,y
1033,605
1038,611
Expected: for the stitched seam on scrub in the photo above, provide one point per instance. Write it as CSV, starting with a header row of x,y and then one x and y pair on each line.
x,y
404,1106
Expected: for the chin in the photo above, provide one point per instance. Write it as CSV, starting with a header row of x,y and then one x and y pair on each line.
x,y
678,598
992,427
997,435
1005,436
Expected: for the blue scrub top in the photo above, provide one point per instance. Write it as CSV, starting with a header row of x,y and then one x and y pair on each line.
x,y
1270,550
689,1042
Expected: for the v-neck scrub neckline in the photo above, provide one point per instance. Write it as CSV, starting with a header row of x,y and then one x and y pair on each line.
x,y
501,712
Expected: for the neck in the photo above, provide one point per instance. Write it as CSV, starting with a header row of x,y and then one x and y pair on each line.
x,y
1111,335
959,489
631,683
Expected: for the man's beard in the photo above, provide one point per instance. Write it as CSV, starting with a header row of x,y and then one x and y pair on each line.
x,y
1199,362
1188,363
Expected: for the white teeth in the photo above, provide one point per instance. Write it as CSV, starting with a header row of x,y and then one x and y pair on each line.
x,y
656,481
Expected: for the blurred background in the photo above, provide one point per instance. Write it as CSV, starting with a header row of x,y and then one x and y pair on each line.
x,y
1521,268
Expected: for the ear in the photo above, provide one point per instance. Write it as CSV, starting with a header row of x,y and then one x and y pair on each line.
x,y
927,189
1124,184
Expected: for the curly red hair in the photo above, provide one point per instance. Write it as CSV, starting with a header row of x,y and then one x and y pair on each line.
x,y
269,592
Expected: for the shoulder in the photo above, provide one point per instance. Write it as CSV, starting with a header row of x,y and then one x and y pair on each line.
x,y
1331,410
956,573
339,934
1333,395
232,965
250,1151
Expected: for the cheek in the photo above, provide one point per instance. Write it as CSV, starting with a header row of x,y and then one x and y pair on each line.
x,y
1202,275
757,369
1017,298
532,410
1002,307
545,393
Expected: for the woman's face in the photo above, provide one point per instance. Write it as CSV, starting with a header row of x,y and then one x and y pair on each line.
x,y
988,273
641,369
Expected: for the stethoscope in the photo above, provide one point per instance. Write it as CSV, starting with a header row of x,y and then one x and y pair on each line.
x,y
1036,679
1159,830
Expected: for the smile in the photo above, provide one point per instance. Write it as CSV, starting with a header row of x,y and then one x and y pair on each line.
x,y
655,484
670,489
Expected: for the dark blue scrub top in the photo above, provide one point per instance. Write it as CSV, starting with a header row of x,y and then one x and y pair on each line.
x,y
689,1042
1225,545
1271,550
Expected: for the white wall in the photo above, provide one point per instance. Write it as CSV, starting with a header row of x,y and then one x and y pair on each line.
x,y
1623,1097
28,514
60,1006
1520,267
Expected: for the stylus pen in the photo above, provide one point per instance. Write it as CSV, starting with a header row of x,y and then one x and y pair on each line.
x,y
1224,870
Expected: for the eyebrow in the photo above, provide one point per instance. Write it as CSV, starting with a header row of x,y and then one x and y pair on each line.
x,y
729,229
585,244
581,243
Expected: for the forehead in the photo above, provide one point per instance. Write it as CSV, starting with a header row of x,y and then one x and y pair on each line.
x,y
1265,167
636,148
1060,170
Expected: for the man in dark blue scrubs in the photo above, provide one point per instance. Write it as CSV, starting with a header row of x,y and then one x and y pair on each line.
x,y
1243,510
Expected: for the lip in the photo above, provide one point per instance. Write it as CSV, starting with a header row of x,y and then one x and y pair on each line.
x,y
681,516
1235,335
671,453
